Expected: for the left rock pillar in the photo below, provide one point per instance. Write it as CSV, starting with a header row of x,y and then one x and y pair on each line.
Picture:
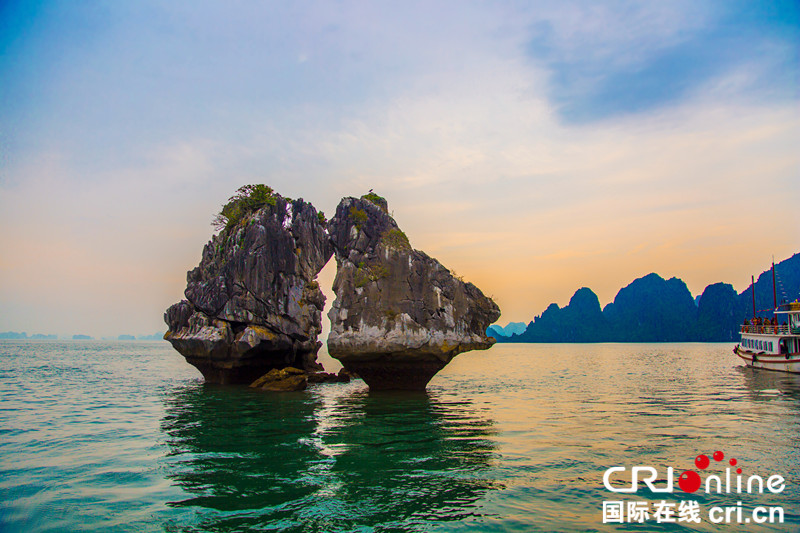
x,y
253,302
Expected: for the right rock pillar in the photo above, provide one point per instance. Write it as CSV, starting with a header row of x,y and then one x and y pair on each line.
x,y
399,316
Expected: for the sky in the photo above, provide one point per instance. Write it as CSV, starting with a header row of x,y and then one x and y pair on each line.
x,y
532,147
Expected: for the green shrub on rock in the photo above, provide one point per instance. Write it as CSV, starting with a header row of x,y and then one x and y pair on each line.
x,y
395,238
359,216
378,200
247,199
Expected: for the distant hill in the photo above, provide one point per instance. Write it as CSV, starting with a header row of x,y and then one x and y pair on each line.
x,y
513,328
153,337
652,309
24,335
40,336
581,321
13,335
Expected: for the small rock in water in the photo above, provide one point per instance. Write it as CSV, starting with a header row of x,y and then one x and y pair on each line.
x,y
328,377
282,380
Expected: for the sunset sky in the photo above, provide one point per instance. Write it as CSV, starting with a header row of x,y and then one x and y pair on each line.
x,y
533,147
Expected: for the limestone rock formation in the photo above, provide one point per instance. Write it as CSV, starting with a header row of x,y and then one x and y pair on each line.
x,y
399,315
282,380
253,303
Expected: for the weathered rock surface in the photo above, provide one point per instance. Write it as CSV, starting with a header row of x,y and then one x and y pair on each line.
x,y
253,303
399,315
282,380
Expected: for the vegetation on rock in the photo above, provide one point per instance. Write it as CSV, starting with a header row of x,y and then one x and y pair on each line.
x,y
359,216
366,273
395,238
378,200
247,199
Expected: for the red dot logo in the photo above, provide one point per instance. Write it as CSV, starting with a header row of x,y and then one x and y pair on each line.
x,y
719,456
701,462
689,481
732,462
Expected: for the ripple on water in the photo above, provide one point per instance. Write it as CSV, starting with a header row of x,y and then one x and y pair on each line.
x,y
124,436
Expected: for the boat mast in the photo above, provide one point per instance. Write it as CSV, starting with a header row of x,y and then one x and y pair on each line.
x,y
774,290
753,286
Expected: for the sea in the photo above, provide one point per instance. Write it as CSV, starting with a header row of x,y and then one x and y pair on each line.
x,y
125,436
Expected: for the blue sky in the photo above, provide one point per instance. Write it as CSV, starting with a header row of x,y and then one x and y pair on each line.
x,y
534,147
639,68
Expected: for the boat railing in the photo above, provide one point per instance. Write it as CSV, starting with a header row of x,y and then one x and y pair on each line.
x,y
770,330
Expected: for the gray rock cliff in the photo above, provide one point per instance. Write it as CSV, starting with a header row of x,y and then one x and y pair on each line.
x,y
252,304
399,315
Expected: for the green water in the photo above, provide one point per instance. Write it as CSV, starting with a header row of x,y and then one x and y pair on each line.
x,y
124,436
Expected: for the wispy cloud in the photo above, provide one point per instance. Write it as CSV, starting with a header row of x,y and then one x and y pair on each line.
x,y
621,57
534,149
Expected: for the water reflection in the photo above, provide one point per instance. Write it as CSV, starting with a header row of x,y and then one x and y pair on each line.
x,y
766,385
334,458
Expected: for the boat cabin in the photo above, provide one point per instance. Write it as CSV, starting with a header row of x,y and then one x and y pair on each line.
x,y
783,338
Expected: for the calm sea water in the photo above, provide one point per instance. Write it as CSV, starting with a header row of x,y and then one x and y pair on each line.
x,y
124,436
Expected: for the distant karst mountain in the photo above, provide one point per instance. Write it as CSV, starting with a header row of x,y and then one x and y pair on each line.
x,y
24,335
513,328
652,309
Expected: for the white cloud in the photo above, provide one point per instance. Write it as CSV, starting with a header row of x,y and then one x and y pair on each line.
x,y
445,113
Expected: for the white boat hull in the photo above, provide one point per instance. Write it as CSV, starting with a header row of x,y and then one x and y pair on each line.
x,y
769,361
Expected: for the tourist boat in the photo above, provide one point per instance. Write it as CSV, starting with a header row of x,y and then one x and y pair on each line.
x,y
773,347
